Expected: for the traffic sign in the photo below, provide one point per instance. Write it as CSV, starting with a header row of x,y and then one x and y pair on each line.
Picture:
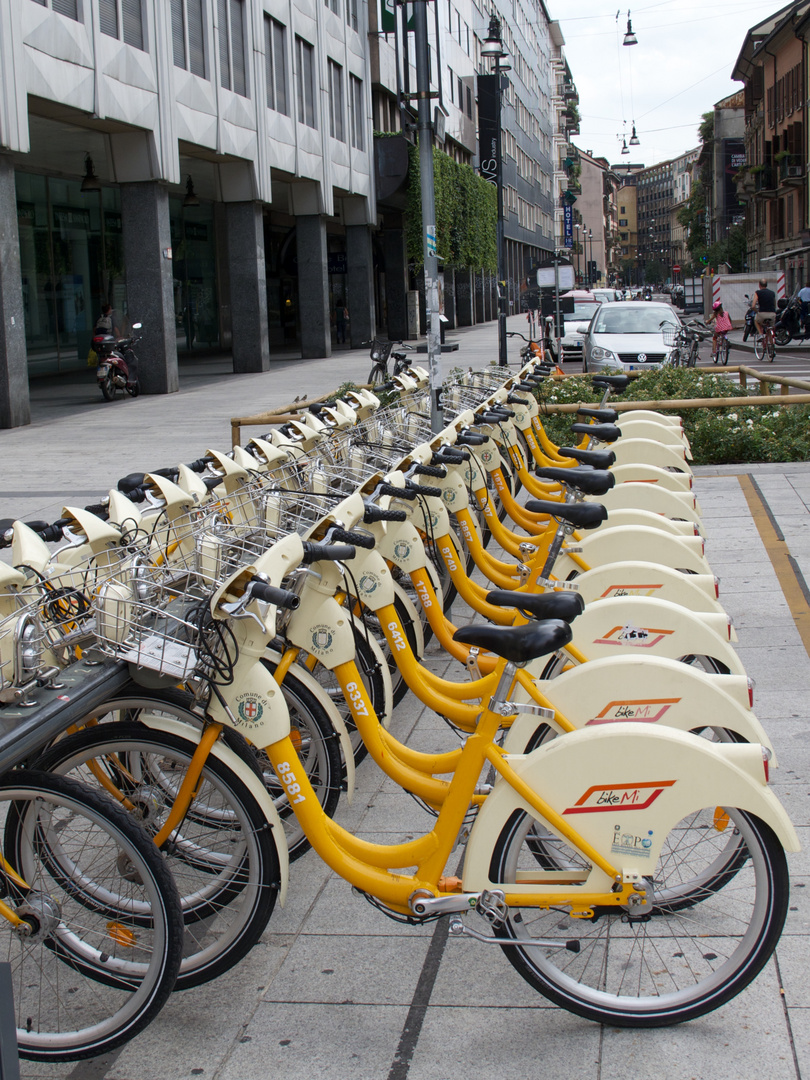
x,y
676,269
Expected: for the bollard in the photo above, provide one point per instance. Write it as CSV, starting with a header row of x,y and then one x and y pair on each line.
x,y
9,1059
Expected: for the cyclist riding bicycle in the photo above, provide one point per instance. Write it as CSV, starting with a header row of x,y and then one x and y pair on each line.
x,y
722,325
765,306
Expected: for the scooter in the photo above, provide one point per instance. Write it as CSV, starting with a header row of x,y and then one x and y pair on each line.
x,y
117,364
793,324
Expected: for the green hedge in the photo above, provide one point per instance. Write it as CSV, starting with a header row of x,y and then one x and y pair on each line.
x,y
466,214
718,436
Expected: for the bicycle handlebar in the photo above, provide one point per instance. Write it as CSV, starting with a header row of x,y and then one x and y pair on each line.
x,y
326,552
350,536
270,594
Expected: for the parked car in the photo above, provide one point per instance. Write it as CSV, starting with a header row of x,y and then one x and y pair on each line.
x,y
607,296
627,336
585,306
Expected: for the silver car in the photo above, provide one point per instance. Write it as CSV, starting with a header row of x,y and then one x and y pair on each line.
x,y
628,336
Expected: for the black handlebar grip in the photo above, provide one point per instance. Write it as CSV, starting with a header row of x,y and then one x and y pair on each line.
x,y
348,536
51,533
170,473
327,552
374,513
262,590
501,410
199,465
212,481
516,399
450,456
488,417
130,482
99,509
430,470
388,387
397,493
470,438
421,489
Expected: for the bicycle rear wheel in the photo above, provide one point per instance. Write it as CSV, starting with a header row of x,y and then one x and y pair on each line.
x,y
106,932
770,346
682,961
759,345
725,349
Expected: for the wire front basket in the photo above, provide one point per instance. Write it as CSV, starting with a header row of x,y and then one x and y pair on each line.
x,y
672,335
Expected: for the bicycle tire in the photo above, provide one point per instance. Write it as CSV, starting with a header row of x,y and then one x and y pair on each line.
x,y
623,984
770,347
693,354
726,349
377,375
759,346
70,845
222,856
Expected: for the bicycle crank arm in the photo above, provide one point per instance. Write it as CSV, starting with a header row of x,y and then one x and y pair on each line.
x,y
457,928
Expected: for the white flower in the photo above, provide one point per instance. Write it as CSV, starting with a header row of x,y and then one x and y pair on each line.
x,y
732,416
750,423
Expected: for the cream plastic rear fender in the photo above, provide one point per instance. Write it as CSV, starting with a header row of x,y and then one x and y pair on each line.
x,y
223,753
648,452
308,679
670,419
655,628
628,542
626,779
652,474
676,505
638,516
642,690
633,428
694,591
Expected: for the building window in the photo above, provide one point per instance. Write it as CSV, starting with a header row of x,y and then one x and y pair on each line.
x,y
622,221
333,5
275,65
62,7
336,101
121,19
232,59
304,56
351,13
452,86
460,85
469,103
357,112
622,210
188,36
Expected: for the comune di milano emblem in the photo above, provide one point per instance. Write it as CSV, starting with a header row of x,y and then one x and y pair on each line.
x,y
250,710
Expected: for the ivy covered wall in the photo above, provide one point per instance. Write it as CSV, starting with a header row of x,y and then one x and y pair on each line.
x,y
466,214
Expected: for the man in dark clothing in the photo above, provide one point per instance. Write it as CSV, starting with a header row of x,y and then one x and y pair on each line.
x,y
765,304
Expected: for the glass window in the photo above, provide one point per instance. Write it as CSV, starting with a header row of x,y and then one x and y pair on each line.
x,y
63,7
357,112
304,82
188,36
275,65
469,103
336,101
121,19
232,57
351,13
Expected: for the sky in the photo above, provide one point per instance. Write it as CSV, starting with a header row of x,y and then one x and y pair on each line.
x,y
681,66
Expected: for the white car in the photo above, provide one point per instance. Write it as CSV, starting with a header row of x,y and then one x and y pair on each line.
x,y
585,306
628,336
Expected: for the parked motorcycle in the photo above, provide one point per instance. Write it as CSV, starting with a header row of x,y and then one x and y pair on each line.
x,y
117,364
792,324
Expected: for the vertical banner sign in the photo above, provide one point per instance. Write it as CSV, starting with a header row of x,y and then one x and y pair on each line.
x,y
388,16
568,225
488,127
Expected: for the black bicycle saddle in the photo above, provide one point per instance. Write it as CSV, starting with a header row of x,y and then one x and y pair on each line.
x,y
602,432
589,481
547,605
583,515
517,643
597,459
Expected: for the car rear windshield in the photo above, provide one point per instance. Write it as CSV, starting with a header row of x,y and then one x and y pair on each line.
x,y
582,312
631,320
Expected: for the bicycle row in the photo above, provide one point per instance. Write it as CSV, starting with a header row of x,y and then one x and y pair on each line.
x,y
289,588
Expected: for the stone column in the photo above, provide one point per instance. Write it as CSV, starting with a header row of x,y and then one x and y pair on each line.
x,y
150,293
360,284
14,403
396,282
248,286
313,286
464,305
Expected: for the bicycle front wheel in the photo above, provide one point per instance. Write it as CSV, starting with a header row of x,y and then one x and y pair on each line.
x,y
770,347
690,955
105,939
759,346
725,349
222,856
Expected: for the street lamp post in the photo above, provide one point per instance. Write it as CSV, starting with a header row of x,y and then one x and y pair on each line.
x,y
577,226
493,48
591,271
